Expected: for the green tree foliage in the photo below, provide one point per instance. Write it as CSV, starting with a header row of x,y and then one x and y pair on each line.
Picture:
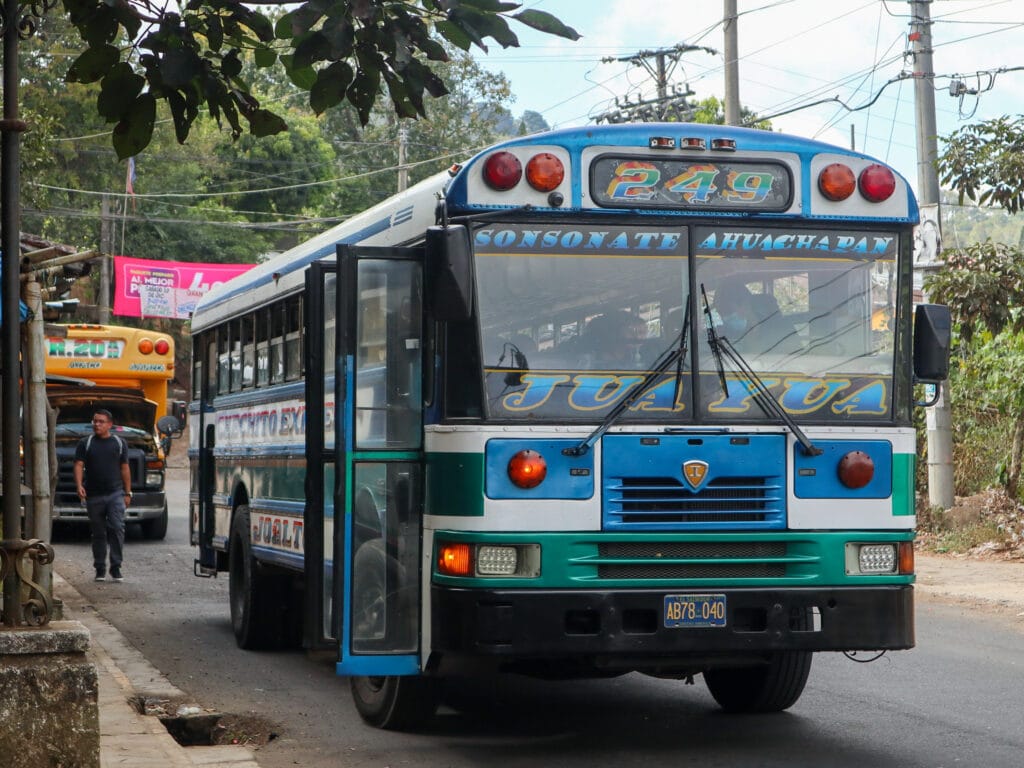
x,y
712,111
985,162
983,283
142,54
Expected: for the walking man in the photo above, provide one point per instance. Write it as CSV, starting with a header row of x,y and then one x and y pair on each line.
x,y
105,485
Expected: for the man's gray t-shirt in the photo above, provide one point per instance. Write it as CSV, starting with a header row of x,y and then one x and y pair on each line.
x,y
103,459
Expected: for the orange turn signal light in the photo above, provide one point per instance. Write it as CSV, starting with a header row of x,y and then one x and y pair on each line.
x,y
545,172
455,559
527,469
146,346
906,558
836,181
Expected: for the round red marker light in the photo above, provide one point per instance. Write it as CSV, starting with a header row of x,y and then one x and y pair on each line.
x,y
836,181
856,469
877,183
162,347
502,171
527,469
545,172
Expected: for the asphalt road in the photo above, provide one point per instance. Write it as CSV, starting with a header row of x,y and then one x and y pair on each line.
x,y
955,700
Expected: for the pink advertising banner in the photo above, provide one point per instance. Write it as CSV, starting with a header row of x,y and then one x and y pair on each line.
x,y
146,288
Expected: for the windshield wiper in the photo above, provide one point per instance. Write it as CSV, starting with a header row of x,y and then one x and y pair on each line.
x,y
709,324
762,396
673,354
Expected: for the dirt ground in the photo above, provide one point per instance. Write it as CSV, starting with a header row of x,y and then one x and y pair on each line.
x,y
973,554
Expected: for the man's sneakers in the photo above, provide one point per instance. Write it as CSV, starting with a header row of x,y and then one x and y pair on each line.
x,y
115,574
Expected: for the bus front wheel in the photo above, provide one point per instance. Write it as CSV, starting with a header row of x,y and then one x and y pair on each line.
x,y
770,687
259,615
395,703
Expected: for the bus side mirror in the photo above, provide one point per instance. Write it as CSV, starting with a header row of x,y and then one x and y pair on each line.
x,y
448,273
932,336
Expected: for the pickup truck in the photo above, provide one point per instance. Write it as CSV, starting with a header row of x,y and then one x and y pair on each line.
x,y
134,418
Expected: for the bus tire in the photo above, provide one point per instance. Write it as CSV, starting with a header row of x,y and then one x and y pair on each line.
x,y
155,529
395,703
771,687
256,616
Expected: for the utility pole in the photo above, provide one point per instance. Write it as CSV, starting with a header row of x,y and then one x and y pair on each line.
x,y
106,248
732,64
938,418
403,169
665,105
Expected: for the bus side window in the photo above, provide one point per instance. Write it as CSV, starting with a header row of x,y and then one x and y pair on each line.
x,y
248,351
277,343
223,361
235,354
293,339
262,348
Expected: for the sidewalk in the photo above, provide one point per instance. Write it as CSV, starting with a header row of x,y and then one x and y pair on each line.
x,y
129,739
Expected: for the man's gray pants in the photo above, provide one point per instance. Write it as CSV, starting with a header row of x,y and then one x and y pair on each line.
x,y
106,518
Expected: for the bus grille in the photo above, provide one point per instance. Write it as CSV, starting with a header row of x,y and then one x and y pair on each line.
x,y
666,501
692,560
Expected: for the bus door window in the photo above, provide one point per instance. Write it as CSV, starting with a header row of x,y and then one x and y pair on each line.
x,y
210,340
388,357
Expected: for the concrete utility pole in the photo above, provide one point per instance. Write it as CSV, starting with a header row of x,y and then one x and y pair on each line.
x,y
938,418
732,64
403,169
106,248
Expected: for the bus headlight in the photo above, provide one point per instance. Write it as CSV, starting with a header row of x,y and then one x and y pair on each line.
x,y
155,478
496,561
869,559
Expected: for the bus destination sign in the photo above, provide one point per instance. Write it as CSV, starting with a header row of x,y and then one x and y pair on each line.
x,y
631,182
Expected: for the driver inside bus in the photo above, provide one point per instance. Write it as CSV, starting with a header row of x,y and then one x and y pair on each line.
x,y
613,340
733,303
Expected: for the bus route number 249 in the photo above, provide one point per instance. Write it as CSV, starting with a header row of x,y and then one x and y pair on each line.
x,y
694,611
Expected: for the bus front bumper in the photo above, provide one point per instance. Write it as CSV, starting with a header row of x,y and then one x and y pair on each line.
x,y
631,623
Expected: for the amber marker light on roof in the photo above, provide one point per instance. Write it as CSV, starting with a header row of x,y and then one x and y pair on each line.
x,y
146,346
545,172
454,559
836,181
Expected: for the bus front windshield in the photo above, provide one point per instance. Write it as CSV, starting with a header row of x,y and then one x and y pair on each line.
x,y
574,318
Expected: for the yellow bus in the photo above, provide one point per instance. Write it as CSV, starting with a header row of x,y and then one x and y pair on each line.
x,y
113,356
127,371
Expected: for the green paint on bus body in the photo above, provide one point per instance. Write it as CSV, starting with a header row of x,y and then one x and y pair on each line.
x,y
904,467
573,560
455,484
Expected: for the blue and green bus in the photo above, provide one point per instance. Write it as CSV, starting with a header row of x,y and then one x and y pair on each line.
x,y
596,401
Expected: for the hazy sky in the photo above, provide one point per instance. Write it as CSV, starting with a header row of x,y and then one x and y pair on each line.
x,y
792,53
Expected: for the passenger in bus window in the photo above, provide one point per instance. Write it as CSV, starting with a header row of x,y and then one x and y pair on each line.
x,y
613,341
733,304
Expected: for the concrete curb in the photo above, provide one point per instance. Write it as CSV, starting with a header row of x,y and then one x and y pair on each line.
x,y
129,739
